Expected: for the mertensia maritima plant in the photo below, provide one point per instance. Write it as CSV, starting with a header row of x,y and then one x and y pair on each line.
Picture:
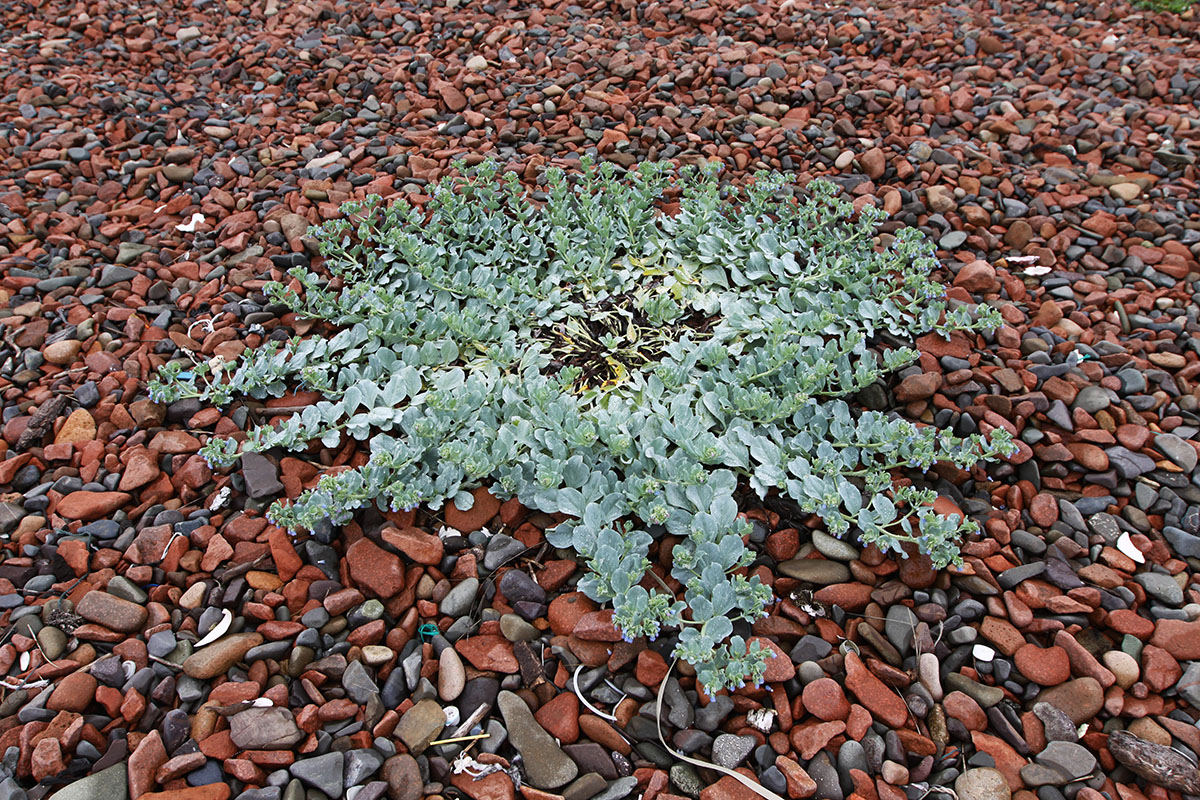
x,y
582,350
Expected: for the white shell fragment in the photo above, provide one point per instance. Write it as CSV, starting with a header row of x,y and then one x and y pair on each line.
x,y
1125,545
189,226
983,652
217,631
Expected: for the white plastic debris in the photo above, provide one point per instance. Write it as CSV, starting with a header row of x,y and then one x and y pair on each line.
x,y
983,652
220,499
1125,545
190,225
452,715
761,719
262,702
464,764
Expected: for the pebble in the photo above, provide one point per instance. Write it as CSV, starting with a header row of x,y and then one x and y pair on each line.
x,y
140,201
112,612
420,725
452,677
271,728
323,773
548,767
107,784
216,658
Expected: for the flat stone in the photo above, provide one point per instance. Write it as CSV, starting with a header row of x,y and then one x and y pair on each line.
x,y
261,475
108,784
820,571
1161,587
982,783
403,776
458,600
360,765
834,548
112,612
128,252
547,765
1176,449
113,274
420,725
357,682
729,750
89,506
1072,760
1080,699
452,675
271,728
322,772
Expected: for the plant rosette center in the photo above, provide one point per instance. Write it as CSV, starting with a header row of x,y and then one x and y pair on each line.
x,y
579,349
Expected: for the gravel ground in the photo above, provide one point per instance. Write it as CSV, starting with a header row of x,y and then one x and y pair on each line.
x,y
161,162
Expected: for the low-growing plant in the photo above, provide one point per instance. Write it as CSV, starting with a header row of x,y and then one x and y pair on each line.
x,y
591,355
1168,6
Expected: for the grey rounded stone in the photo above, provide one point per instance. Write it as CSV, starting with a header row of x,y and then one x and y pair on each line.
x,y
821,571
1161,587
833,547
1092,399
516,629
458,600
729,750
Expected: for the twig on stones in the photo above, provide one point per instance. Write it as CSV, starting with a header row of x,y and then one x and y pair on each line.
x,y
1162,766
475,716
38,645
164,662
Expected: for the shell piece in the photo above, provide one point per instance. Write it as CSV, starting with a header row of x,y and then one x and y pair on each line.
x,y
217,631
1125,545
